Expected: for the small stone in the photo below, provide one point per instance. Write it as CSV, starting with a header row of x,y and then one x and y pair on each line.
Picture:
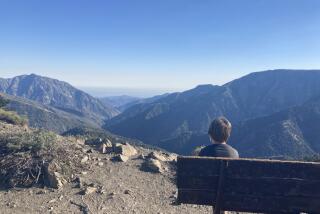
x,y
103,148
127,192
52,201
84,172
89,190
84,159
40,192
11,205
100,163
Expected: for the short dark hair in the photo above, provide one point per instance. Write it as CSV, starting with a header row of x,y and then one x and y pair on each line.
x,y
220,129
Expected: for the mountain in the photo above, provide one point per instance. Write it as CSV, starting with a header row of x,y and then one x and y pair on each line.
x,y
171,122
118,101
294,132
59,95
124,102
47,117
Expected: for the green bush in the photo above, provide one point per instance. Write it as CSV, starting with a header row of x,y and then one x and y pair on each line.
x,y
33,142
3,102
12,118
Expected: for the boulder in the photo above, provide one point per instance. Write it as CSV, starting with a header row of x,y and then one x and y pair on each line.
x,y
105,147
152,165
53,178
124,149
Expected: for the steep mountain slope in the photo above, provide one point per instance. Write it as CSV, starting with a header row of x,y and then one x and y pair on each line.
x,y
57,94
47,117
189,113
294,132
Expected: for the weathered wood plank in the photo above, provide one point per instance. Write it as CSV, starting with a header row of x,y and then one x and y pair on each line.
x,y
251,185
200,166
249,203
254,186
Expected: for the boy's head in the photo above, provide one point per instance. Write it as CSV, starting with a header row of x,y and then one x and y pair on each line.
x,y
220,130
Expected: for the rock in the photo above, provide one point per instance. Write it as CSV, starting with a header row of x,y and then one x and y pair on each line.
x,y
121,158
100,163
106,147
162,156
89,190
127,192
53,178
157,156
79,182
85,159
40,192
80,141
125,149
52,201
152,165
103,148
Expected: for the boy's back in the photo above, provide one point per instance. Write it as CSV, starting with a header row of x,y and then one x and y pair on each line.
x,y
219,150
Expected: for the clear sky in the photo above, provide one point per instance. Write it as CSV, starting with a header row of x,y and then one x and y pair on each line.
x,y
159,44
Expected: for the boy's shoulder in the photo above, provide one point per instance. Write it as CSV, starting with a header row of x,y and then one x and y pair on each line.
x,y
219,150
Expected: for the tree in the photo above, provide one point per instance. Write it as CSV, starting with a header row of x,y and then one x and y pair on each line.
x,y
3,101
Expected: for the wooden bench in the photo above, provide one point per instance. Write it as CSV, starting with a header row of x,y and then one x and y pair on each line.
x,y
249,185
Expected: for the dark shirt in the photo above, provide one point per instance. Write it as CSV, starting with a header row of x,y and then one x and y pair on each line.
x,y
219,150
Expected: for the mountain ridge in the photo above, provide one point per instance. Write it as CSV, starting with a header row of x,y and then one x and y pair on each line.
x,y
58,94
189,113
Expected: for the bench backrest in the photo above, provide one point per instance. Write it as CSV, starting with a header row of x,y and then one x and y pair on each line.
x,y
250,185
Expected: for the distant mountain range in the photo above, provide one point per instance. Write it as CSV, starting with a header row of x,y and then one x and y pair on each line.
x,y
119,102
60,95
124,102
178,122
274,113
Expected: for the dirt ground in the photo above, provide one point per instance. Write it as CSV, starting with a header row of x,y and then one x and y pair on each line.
x,y
122,188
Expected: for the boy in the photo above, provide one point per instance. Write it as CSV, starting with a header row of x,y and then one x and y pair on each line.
x,y
219,133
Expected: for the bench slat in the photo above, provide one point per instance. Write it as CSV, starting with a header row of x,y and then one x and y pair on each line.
x,y
247,203
254,186
190,166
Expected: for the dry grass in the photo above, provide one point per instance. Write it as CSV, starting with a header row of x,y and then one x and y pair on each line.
x,y
12,118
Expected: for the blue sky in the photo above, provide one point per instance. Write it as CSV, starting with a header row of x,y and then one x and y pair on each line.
x,y
158,44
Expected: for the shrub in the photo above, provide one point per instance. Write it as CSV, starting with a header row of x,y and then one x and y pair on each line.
x,y
3,101
23,156
12,118
26,142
